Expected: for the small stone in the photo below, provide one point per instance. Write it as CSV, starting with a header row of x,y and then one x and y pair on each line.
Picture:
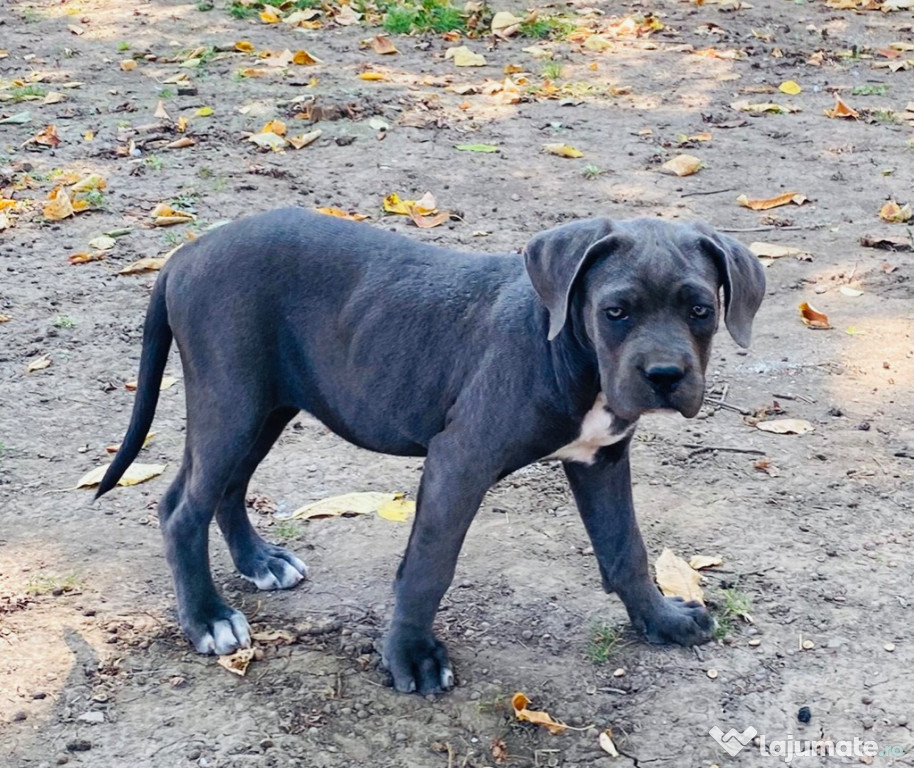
x,y
808,645
266,743
19,716
400,736
194,754
712,673
867,723
620,672
61,759
804,715
755,642
866,699
92,716
902,722
889,647
79,745
39,695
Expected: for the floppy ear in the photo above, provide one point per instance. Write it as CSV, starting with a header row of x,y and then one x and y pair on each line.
x,y
743,280
557,257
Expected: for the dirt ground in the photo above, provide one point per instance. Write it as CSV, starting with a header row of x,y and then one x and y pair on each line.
x,y
815,531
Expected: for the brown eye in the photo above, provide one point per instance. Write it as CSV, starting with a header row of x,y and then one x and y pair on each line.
x,y
616,313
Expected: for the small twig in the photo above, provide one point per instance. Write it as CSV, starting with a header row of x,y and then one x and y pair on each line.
x,y
709,192
769,229
804,398
722,449
728,406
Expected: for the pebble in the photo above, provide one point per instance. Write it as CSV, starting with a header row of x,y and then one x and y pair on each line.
x,y
889,647
620,672
62,759
866,699
79,745
867,723
19,716
804,715
808,645
400,736
266,743
712,673
902,721
755,642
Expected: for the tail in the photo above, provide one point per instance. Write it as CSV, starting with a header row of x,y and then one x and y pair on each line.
x,y
156,342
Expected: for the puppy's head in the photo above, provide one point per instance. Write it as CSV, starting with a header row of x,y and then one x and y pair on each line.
x,y
644,294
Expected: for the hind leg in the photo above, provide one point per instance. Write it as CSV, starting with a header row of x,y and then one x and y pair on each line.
x,y
268,566
217,443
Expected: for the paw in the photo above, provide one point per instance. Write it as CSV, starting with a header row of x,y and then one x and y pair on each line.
x,y
220,634
672,620
417,661
272,567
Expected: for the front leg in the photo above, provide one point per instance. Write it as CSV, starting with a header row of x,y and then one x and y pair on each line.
x,y
603,494
451,490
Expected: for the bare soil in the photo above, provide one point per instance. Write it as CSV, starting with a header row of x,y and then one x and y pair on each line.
x,y
93,670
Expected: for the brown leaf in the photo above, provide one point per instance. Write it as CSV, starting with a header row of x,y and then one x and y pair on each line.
x,y
519,702
38,364
427,222
681,165
841,110
676,578
85,258
152,264
239,661
764,465
786,426
772,202
895,213
59,205
382,45
699,562
813,318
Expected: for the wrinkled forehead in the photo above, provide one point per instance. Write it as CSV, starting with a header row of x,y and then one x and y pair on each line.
x,y
654,257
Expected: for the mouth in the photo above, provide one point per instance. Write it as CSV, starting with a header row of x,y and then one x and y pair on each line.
x,y
686,400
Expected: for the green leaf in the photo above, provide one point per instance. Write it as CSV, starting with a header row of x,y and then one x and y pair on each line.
x,y
476,147
18,119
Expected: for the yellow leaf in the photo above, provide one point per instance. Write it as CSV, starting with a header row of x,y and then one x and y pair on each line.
x,y
135,474
519,702
88,135
304,19
697,562
88,183
5,318
772,202
303,140
340,213
397,510
597,43
152,264
373,76
204,112
813,318
238,662
275,126
562,150
765,106
786,426
423,206
38,364
676,578
244,46
775,251
347,505
59,205
54,97
304,59
681,165
464,57
892,212
269,15
505,23
150,436
790,87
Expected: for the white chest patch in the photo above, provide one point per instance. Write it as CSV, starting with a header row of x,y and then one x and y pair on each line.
x,y
600,428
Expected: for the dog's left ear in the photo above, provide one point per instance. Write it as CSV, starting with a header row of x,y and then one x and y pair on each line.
x,y
743,280
554,259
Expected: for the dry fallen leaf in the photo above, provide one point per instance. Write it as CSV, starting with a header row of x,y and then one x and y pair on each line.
x,y
785,426
269,15
268,140
167,383
766,106
382,45
424,206
848,290
427,222
681,165
790,87
128,65
772,202
887,243
338,212
239,661
775,251
841,110
135,474
165,216
102,243
244,46
85,258
347,505
814,319
519,701
377,76
676,578
698,562
764,465
304,139
152,264
59,205
305,59
895,213
150,436
38,364
398,509
562,150
464,57
607,744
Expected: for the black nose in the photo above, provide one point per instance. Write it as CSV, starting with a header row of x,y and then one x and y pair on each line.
x,y
664,378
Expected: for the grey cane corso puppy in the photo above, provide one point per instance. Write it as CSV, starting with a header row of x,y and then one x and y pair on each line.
x,y
482,363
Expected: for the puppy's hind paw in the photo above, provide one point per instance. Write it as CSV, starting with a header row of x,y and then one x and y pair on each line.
x,y
220,635
273,567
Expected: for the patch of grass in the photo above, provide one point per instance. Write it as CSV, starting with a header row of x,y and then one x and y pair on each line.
x,y
63,321
31,15
172,238
553,70
243,11
736,606
286,530
123,45
592,171
186,201
26,93
403,17
546,28
95,198
44,585
886,116
870,90
154,162
166,93
605,639
205,6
